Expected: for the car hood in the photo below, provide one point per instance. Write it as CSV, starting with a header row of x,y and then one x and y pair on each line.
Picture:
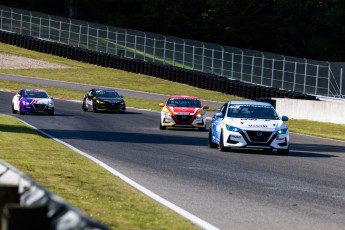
x,y
38,100
183,110
256,124
109,99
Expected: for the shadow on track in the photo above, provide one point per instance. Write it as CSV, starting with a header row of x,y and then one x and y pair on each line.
x,y
293,153
128,137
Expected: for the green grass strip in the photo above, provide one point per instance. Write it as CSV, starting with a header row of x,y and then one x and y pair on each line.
x,y
81,182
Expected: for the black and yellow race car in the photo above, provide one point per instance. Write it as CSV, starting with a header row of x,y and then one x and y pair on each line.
x,y
103,99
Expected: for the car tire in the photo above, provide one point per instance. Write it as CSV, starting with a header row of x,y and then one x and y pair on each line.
x,y
94,108
20,110
221,144
268,151
202,129
84,106
283,151
51,113
161,127
210,143
13,110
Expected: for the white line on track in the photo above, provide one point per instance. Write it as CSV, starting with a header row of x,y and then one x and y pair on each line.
x,y
194,219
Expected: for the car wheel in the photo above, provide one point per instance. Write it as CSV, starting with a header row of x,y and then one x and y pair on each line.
x,y
20,110
84,106
161,127
221,144
94,108
13,110
202,129
268,150
51,113
210,143
283,151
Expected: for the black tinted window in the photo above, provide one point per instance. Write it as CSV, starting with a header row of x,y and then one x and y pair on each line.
x,y
252,111
184,102
107,93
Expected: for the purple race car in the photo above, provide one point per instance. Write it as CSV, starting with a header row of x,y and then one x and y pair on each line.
x,y
32,101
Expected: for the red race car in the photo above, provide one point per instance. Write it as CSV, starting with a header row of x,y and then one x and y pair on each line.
x,y
183,111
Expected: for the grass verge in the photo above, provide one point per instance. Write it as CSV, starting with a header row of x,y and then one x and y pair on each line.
x,y
76,94
81,182
96,75
318,129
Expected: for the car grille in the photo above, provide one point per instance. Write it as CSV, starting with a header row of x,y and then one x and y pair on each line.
x,y
39,106
183,118
259,136
113,106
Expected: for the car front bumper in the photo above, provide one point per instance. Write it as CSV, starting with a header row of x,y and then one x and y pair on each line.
x,y
267,140
111,107
168,121
37,108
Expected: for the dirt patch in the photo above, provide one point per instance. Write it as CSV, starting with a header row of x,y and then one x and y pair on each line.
x,y
8,61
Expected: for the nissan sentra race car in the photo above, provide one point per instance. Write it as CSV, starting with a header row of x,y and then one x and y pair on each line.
x,y
32,101
183,111
102,99
243,124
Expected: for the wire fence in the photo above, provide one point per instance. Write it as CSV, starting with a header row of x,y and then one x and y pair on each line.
x,y
319,78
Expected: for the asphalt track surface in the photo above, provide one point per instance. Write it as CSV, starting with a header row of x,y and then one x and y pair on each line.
x,y
234,190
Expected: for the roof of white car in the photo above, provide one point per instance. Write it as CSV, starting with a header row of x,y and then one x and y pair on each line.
x,y
249,103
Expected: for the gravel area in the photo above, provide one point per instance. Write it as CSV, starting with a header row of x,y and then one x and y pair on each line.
x,y
8,61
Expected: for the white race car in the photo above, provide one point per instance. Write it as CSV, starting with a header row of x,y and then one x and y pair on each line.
x,y
244,124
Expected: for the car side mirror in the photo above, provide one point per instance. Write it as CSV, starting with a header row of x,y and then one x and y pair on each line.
x,y
121,96
51,97
205,107
161,104
285,118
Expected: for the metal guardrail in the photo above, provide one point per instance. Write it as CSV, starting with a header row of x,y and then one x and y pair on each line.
x,y
60,214
312,77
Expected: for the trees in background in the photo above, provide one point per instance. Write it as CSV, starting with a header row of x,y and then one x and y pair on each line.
x,y
310,28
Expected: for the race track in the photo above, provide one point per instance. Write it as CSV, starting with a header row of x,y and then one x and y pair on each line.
x,y
235,190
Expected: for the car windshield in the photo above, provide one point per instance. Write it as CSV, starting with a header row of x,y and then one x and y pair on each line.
x,y
35,94
252,111
107,93
184,102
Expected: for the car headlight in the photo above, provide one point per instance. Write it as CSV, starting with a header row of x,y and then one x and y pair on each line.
x,y
198,115
51,104
100,102
26,103
282,131
232,128
166,113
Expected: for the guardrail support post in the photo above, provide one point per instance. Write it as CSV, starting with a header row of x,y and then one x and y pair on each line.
x,y
341,83
8,194
222,63
25,217
317,79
